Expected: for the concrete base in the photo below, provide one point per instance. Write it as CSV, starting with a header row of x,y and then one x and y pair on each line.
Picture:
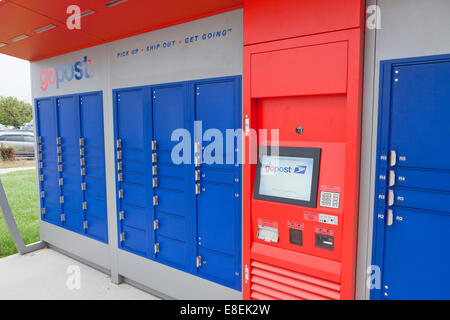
x,y
45,274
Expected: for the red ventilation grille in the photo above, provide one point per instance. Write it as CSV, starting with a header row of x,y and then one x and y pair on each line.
x,y
274,283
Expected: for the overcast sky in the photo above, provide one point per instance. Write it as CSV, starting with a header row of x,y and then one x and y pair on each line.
x,y
15,78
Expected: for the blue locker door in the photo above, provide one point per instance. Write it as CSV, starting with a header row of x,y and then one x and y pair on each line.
x,y
219,202
69,159
47,131
412,211
133,158
92,161
174,187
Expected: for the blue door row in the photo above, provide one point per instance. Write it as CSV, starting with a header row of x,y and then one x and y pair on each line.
x,y
185,215
412,201
71,161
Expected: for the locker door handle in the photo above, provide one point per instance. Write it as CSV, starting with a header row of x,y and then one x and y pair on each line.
x,y
391,197
393,158
390,217
391,178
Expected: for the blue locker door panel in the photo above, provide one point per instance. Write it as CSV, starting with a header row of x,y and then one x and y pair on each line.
x,y
417,258
69,132
218,267
413,122
169,113
417,98
218,205
133,164
216,217
46,124
92,151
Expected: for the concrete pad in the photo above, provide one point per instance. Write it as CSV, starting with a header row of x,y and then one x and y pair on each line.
x,y
47,274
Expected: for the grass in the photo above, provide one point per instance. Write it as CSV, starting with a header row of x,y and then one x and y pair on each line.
x,y
21,191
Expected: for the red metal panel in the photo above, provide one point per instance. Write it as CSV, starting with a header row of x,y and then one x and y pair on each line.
x,y
106,24
301,81
268,20
278,73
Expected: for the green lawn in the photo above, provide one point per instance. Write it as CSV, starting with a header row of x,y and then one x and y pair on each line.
x,y
21,191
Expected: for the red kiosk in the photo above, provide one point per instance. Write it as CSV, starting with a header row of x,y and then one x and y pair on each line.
x,y
303,76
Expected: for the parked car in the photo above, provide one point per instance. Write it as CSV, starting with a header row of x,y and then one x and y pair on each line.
x,y
21,141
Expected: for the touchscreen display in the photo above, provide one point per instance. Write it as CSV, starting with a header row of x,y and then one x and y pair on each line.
x,y
286,177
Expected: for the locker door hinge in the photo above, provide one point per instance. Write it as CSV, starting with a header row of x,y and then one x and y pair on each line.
x,y
61,199
41,165
246,273
119,155
59,150
40,157
41,177
59,159
197,161
119,166
60,168
156,247
43,211
154,158
85,224
154,145
83,186
120,194
155,182
39,139
155,170
81,142
81,151
82,162
40,148
197,188
197,147
42,194
198,261
122,215
120,177
156,224
63,217
197,175
122,236
119,143
58,140
155,201
61,181
83,171
84,205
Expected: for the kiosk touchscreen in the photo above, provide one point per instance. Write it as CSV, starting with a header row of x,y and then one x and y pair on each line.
x,y
291,176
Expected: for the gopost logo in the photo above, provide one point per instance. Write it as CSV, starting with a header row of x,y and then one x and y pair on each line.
x,y
60,74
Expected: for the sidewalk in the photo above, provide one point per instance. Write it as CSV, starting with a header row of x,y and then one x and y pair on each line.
x,y
48,274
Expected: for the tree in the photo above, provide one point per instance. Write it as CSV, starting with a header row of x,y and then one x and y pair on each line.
x,y
14,112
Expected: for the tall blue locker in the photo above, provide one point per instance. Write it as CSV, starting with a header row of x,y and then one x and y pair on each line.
x,y
48,169
412,203
173,184
188,215
72,163
219,199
